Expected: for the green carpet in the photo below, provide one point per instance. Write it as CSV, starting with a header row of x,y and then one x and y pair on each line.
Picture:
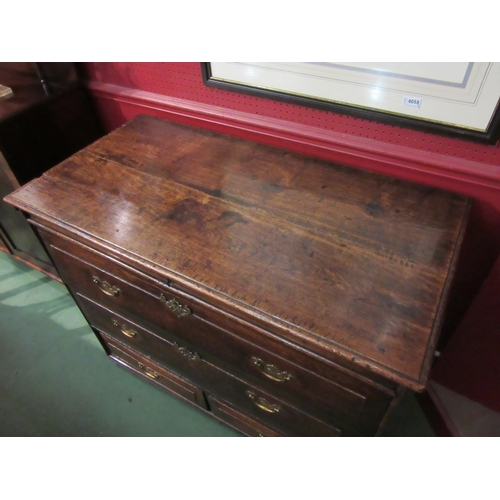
x,y
55,379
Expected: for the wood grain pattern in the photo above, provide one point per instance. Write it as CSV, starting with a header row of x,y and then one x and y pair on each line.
x,y
354,265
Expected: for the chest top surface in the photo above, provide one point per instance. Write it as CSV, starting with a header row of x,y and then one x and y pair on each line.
x,y
352,263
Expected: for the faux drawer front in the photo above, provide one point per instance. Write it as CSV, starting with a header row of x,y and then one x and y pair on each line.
x,y
155,373
335,397
239,421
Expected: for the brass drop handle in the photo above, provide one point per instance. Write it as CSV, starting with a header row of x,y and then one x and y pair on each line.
x,y
128,332
178,309
271,371
148,371
190,355
108,289
262,403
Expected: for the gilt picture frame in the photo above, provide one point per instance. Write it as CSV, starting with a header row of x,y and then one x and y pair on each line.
x,y
456,99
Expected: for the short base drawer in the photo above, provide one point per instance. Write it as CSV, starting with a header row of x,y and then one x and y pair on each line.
x,y
239,421
154,373
274,413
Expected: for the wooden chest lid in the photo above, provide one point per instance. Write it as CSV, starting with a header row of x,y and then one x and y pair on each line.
x,y
352,264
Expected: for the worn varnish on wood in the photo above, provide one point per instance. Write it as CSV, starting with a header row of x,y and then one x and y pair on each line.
x,y
339,273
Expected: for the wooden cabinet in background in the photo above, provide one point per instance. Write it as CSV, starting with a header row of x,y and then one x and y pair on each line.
x,y
48,118
282,294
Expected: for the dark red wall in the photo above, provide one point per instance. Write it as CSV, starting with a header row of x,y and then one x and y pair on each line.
x,y
175,91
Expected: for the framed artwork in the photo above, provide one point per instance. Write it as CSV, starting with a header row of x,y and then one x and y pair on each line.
x,y
457,98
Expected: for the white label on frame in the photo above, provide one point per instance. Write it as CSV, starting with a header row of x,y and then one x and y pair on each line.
x,y
413,102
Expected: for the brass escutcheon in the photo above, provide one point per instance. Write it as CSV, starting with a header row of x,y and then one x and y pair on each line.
x,y
190,355
178,309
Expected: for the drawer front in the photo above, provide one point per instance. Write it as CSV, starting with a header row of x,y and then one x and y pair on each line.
x,y
335,396
272,413
155,373
239,421
135,336
172,355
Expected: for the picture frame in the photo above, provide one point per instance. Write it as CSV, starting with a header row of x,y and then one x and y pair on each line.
x,y
455,99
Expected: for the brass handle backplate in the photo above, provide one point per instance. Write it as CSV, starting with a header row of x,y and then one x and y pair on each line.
x,y
262,403
148,371
178,309
108,289
128,332
190,355
270,371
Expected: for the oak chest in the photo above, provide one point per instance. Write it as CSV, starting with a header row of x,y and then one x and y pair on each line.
x,y
283,294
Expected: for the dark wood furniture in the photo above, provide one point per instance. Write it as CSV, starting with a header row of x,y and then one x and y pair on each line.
x,y
283,294
48,118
